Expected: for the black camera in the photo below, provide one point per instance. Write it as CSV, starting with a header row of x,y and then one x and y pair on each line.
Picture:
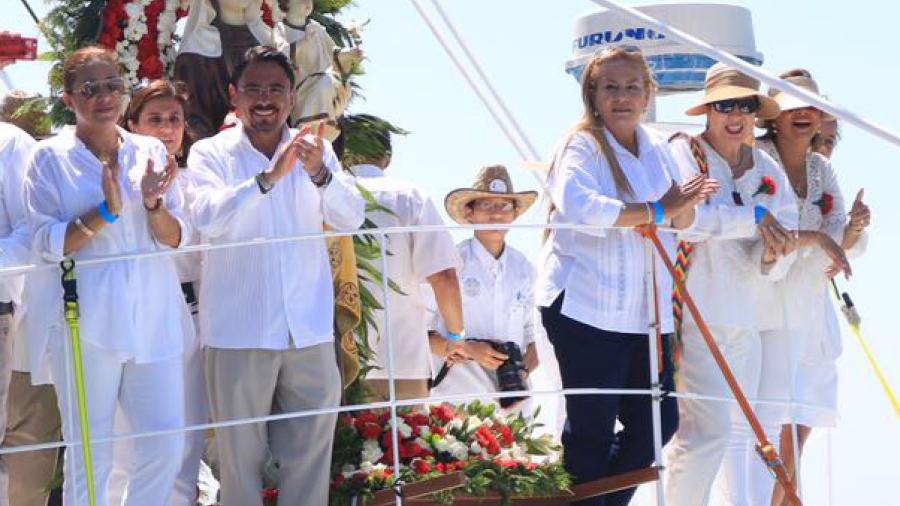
x,y
512,373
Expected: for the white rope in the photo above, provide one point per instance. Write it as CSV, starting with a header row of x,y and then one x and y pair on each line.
x,y
52,265
487,82
812,99
383,405
469,80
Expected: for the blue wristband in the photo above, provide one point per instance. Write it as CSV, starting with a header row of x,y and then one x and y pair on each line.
x,y
104,213
659,214
456,337
759,212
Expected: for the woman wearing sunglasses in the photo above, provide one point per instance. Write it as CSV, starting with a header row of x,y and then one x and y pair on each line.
x,y
824,222
97,190
739,244
611,173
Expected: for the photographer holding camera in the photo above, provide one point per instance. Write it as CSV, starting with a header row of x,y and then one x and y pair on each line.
x,y
497,292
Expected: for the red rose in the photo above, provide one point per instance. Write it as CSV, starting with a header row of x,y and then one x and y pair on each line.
x,y
270,493
371,431
507,435
151,68
440,467
338,481
825,203
421,466
487,440
443,412
154,9
365,418
346,419
147,48
766,186
440,431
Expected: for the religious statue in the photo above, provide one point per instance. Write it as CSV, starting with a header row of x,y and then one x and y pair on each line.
x,y
322,91
216,35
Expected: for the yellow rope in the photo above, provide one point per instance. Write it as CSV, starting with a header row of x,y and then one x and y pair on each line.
x,y
854,320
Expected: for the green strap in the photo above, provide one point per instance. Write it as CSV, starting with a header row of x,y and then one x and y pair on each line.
x,y
70,303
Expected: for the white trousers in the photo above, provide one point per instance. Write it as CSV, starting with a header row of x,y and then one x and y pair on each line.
x,y
150,397
743,478
196,411
694,454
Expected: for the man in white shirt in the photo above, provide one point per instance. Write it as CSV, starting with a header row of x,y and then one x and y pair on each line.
x,y
27,413
498,288
415,258
266,311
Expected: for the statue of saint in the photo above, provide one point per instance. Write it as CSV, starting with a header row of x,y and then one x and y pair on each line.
x,y
216,35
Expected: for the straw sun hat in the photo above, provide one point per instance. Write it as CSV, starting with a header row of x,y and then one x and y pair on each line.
x,y
491,182
788,102
726,83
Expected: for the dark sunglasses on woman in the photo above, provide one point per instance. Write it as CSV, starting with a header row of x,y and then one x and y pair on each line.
x,y
91,89
744,105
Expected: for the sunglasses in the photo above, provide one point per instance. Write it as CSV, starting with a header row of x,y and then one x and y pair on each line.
x,y
91,89
744,105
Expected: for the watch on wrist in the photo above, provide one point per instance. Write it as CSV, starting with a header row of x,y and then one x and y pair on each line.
x,y
264,185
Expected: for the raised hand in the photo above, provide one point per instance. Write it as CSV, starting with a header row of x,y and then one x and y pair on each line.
x,y
860,215
305,147
154,185
110,184
310,147
680,198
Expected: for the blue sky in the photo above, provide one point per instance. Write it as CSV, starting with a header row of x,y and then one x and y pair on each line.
x,y
850,49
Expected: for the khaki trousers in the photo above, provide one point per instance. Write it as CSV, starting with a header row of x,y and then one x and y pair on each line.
x,y
245,383
6,360
403,389
32,418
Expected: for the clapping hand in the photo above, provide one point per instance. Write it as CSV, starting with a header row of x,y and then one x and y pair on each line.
x,y
154,184
110,184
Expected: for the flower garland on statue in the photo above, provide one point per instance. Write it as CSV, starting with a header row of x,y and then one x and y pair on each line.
x,y
141,33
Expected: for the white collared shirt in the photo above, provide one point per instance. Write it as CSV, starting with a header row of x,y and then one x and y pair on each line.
x,y
132,308
725,278
271,296
413,257
498,304
602,271
15,234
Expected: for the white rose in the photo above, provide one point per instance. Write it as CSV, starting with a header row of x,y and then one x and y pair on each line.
x,y
134,10
459,451
404,429
475,447
424,430
455,424
371,452
474,422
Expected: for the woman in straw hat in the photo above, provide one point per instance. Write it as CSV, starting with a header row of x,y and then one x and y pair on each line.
x,y
610,174
738,245
824,222
497,284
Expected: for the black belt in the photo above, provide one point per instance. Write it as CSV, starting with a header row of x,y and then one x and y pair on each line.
x,y
7,308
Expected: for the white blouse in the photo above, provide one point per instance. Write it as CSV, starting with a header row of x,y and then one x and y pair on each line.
x,y
270,296
806,285
132,308
498,304
602,270
725,276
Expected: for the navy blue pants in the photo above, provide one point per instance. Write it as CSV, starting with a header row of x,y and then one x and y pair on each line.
x,y
594,358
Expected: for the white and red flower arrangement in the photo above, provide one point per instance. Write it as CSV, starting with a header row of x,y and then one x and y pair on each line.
x,y
140,32
496,453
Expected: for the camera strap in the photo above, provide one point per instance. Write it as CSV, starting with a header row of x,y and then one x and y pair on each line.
x,y
433,382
